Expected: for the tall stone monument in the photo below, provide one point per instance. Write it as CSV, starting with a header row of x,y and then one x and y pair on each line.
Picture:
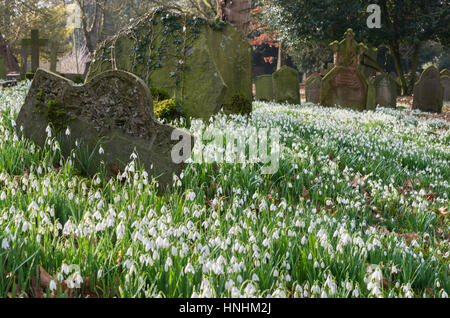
x,y
345,85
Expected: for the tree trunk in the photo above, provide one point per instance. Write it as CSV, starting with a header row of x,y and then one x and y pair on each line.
x,y
414,67
92,31
282,56
12,66
236,12
398,66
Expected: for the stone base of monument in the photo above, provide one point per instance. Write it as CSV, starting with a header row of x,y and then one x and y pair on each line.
x,y
114,110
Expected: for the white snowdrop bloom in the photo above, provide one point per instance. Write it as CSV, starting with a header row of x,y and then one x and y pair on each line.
x,y
5,244
275,273
255,278
3,196
444,294
65,268
52,285
189,268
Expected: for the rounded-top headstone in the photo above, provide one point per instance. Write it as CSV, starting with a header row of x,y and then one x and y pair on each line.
x,y
428,91
386,90
264,87
286,85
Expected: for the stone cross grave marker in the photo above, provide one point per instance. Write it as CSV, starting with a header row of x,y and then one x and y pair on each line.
x,y
33,44
54,51
115,109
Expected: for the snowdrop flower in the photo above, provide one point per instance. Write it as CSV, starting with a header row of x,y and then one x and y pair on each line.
x,y
52,285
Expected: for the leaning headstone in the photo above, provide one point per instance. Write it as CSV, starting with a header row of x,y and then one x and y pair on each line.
x,y
205,65
386,90
264,88
114,109
286,85
428,91
313,86
2,68
445,81
345,85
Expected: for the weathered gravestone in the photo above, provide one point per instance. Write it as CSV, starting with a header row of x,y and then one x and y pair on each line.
x,y
203,64
445,80
313,86
264,88
115,108
345,85
428,91
286,85
386,90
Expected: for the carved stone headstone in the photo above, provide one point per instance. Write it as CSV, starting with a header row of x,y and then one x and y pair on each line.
x,y
445,72
286,85
203,64
114,109
345,85
264,88
428,91
313,86
386,90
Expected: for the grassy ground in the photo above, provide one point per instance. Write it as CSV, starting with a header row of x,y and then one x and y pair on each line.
x,y
358,208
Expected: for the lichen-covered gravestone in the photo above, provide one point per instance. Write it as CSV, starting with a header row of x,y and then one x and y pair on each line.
x,y
345,85
313,86
114,110
386,90
264,88
203,64
286,85
428,91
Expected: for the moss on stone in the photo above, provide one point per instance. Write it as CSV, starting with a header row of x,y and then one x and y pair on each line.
x,y
239,104
159,94
167,109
